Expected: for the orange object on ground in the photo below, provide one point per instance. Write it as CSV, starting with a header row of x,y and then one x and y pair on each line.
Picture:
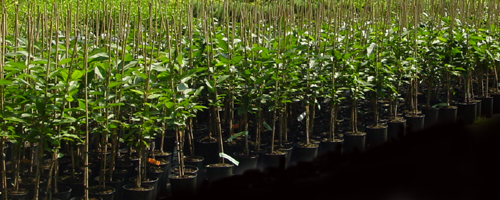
x,y
153,161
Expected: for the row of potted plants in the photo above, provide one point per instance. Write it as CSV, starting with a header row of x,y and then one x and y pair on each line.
x,y
214,84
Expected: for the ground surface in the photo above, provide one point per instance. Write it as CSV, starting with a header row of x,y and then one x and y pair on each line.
x,y
450,161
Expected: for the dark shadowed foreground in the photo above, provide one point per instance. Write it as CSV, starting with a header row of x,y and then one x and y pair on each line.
x,y
443,162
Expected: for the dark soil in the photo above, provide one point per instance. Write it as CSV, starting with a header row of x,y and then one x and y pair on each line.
x,y
185,176
139,188
98,190
193,159
378,126
207,139
276,153
397,119
450,161
157,153
220,165
156,169
310,145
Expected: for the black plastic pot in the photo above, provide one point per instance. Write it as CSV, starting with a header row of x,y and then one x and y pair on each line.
x,y
117,184
143,193
466,112
197,161
478,106
274,160
246,162
260,160
447,115
165,156
376,135
354,142
75,182
82,198
64,192
160,173
208,149
151,180
188,168
328,146
169,142
21,194
218,171
106,193
29,183
431,116
396,128
231,147
182,187
288,149
496,103
305,153
415,122
487,107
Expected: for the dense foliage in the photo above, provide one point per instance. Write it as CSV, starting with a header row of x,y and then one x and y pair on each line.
x,y
132,70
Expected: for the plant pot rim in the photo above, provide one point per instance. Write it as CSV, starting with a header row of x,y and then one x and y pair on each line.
x,y
131,186
397,120
194,158
96,189
335,140
174,169
307,146
448,107
429,108
276,153
207,140
219,165
116,179
20,191
68,189
359,133
186,176
417,115
242,154
81,198
165,153
378,126
466,103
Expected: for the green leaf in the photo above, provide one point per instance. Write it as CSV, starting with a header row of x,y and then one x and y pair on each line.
x,y
137,91
236,59
98,73
182,87
14,119
114,84
76,74
440,105
222,78
237,135
5,82
266,125
169,104
154,96
64,61
17,65
209,84
223,44
180,60
98,57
